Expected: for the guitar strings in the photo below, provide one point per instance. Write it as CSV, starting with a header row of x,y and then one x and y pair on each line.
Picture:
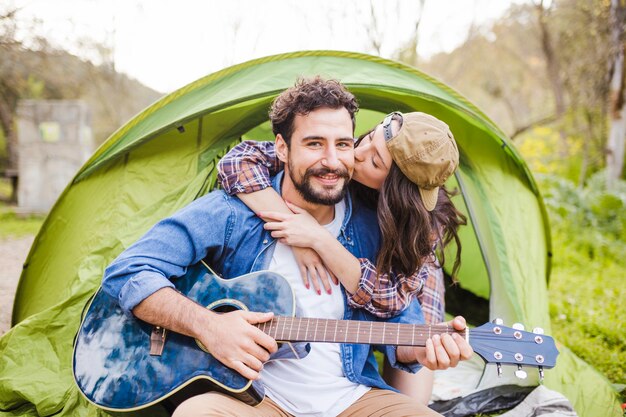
x,y
343,324
405,330
347,324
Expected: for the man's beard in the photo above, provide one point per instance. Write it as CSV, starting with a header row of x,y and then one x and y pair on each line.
x,y
326,197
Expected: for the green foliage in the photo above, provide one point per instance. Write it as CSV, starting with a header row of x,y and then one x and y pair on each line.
x,y
599,212
12,225
5,189
587,290
36,87
543,152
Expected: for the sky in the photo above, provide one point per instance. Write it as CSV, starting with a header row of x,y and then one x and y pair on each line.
x,y
166,44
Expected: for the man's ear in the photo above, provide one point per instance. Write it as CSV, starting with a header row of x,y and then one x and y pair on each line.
x,y
282,150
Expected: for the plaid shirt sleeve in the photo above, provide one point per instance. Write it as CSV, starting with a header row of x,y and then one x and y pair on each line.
x,y
248,167
432,296
388,294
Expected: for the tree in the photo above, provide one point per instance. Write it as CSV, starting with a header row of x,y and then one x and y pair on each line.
x,y
35,69
542,65
583,30
12,85
553,70
501,69
408,54
617,109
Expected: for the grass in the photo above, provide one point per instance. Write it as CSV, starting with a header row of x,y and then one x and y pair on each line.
x,y
587,299
12,225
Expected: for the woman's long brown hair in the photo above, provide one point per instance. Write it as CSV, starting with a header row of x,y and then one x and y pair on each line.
x,y
408,230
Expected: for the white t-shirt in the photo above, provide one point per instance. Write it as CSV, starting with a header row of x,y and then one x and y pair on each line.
x,y
316,384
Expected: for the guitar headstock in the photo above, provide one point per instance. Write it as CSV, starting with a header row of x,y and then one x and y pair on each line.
x,y
499,344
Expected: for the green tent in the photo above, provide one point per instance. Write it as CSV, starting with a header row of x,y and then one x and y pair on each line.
x,y
166,156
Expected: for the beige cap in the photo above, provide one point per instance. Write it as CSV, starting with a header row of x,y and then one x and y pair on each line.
x,y
426,152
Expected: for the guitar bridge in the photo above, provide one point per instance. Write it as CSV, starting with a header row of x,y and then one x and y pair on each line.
x,y
157,341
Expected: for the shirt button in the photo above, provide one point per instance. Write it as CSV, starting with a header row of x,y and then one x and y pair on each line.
x,y
265,242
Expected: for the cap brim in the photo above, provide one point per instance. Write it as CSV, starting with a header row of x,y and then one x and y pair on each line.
x,y
429,197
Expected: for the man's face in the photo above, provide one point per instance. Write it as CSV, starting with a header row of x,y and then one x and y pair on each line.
x,y
320,158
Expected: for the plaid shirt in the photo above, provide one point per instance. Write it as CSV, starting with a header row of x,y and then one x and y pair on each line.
x,y
249,166
390,293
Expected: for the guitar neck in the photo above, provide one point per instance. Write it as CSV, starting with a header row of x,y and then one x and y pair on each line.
x,y
304,329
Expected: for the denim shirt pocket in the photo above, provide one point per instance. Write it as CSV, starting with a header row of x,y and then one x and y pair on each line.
x,y
264,257
346,238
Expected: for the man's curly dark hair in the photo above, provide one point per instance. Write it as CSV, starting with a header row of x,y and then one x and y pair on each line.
x,y
306,96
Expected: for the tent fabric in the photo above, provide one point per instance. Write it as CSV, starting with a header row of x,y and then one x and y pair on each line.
x,y
165,157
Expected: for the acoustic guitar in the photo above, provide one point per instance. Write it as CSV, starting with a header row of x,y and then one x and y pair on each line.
x,y
124,365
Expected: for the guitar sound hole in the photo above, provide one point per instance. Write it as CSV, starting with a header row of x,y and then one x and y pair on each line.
x,y
226,305
225,308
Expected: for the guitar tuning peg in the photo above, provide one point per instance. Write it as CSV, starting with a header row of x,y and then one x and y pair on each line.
x,y
538,330
518,326
498,321
541,374
520,373
499,367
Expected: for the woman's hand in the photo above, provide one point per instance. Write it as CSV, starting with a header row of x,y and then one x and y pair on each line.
x,y
297,229
302,232
311,265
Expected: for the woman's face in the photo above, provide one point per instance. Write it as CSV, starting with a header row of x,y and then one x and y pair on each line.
x,y
372,159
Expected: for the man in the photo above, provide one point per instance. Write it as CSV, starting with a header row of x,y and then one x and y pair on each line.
x,y
314,125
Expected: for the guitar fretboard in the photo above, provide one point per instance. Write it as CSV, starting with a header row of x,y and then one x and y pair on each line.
x,y
305,329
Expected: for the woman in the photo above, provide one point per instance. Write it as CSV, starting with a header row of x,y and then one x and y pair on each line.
x,y
415,214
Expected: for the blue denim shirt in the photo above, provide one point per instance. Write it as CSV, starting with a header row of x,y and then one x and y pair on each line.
x,y
230,237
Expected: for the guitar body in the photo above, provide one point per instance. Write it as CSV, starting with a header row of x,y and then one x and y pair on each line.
x,y
113,366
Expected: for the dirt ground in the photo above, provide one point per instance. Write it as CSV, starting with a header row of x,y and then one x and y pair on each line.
x,y
13,253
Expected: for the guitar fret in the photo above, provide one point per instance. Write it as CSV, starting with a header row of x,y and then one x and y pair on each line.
x,y
298,330
397,335
346,329
335,335
306,332
325,327
384,335
358,334
371,328
290,329
282,333
413,337
315,331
